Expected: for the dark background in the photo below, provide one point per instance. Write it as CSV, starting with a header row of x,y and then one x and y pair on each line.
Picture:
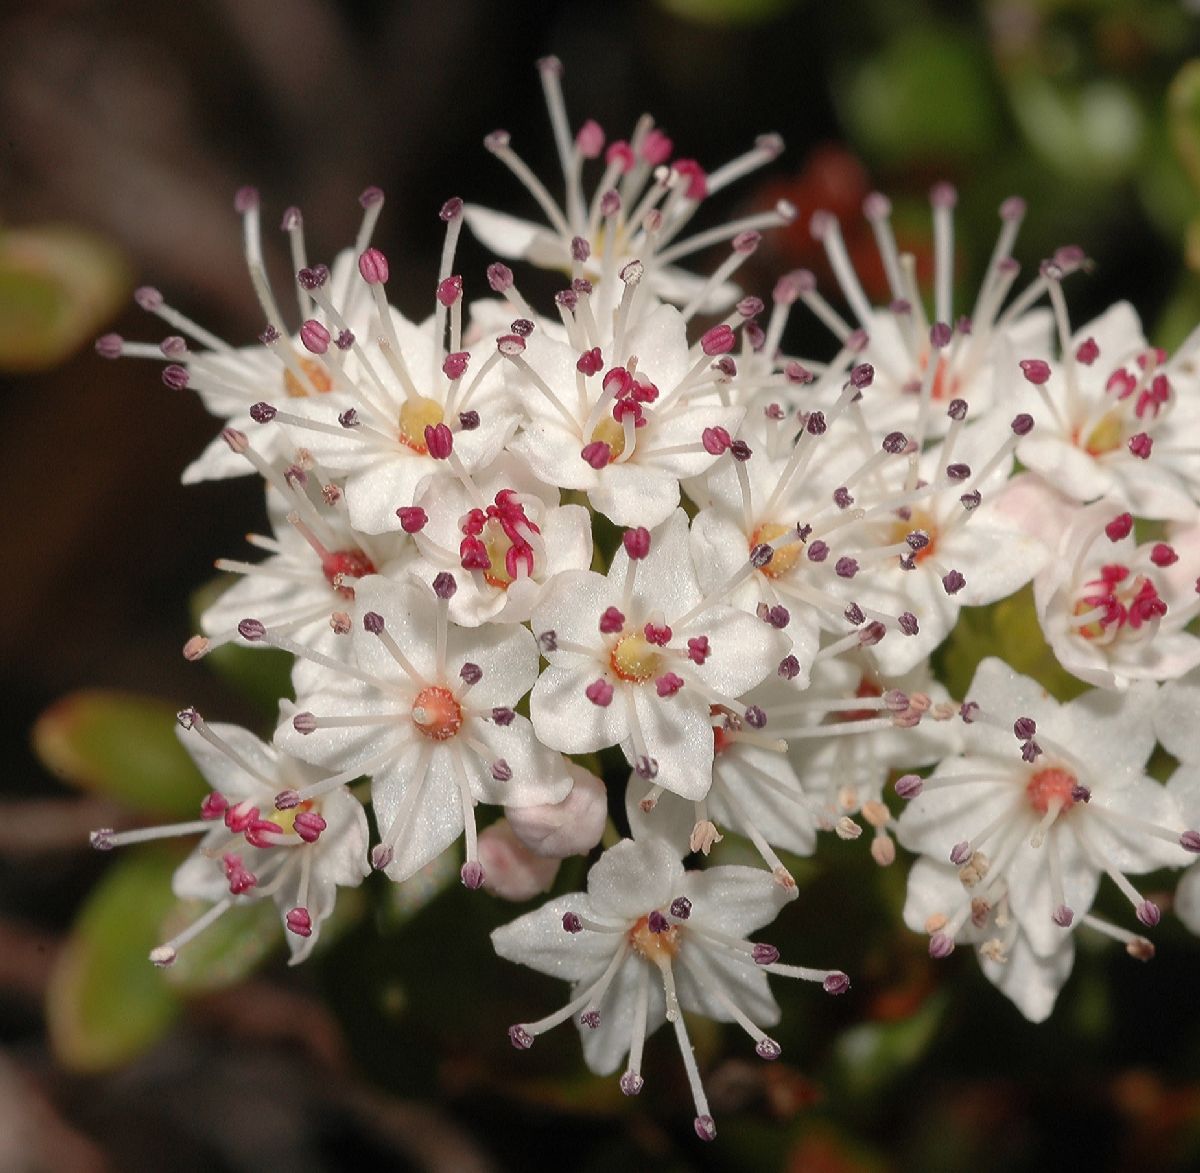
x,y
138,121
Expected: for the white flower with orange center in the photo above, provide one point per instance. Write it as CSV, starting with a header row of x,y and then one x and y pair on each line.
x,y
926,538
426,711
916,379
639,658
282,367
1117,417
1044,800
647,942
297,857
1115,611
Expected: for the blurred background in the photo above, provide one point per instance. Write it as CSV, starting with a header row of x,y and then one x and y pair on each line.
x,y
125,128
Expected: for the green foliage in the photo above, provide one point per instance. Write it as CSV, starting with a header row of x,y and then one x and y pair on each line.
x,y
924,95
106,1003
58,286
122,746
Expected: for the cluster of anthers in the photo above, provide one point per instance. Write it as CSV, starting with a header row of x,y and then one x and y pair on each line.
x,y
796,540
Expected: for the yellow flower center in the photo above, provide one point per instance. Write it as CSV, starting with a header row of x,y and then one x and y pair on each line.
x,y
416,415
634,658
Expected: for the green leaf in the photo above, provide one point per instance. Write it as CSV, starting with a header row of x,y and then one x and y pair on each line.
x,y
228,951
727,12
106,1002
925,95
1183,118
123,746
873,1054
58,286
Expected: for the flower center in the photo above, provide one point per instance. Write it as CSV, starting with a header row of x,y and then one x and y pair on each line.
x,y
945,381
1124,600
286,820
1106,434
918,521
342,565
634,658
657,948
436,713
786,556
318,378
866,688
1052,785
416,415
609,432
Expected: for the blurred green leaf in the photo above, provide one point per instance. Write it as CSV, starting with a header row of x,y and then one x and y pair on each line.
x,y
1183,118
871,1055
58,286
123,746
228,951
737,12
1094,132
106,1002
924,95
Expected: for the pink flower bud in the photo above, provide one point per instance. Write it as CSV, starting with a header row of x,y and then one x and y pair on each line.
x,y
561,829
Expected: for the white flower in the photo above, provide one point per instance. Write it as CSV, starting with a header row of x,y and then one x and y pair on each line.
x,y
427,713
231,380
923,363
648,941
1029,980
1112,421
508,532
637,210
638,658
1114,611
1044,799
755,792
298,857
852,729
306,586
1179,732
623,417
932,540
418,402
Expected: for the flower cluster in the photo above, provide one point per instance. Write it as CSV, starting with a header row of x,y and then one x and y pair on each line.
x,y
507,538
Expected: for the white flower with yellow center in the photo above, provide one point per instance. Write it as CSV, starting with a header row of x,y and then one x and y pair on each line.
x,y
297,857
1116,417
639,658
504,534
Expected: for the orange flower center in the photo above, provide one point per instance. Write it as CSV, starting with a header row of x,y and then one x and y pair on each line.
x,y
1053,784
318,377
786,555
657,948
343,565
436,713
